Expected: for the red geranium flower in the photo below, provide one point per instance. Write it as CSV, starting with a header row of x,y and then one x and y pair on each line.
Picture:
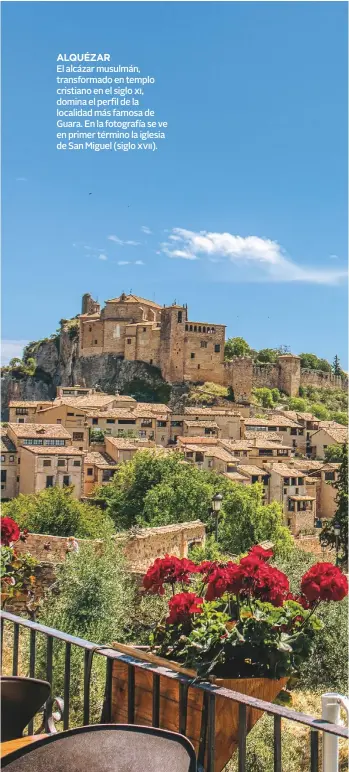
x,y
182,607
206,567
168,570
324,581
9,531
260,552
263,581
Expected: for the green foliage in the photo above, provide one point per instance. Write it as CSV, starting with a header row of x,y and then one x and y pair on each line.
x,y
245,520
17,573
210,550
340,417
266,397
267,355
20,368
208,393
312,362
297,403
333,453
157,489
320,411
54,511
336,368
94,598
327,535
97,435
236,347
328,667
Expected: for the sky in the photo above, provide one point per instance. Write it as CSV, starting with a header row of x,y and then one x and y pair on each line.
x,y
242,211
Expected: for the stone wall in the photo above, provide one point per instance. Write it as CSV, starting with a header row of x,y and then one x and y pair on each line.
x,y
322,380
141,547
312,544
265,376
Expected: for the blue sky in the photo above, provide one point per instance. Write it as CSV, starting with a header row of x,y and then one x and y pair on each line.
x,y
241,213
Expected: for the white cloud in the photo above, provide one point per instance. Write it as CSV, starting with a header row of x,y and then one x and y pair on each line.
x,y
123,262
334,257
146,230
21,179
139,262
102,257
122,243
11,349
266,257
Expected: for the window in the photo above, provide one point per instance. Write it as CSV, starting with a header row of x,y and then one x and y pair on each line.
x,y
285,491
17,478
76,463
191,328
293,430
281,429
186,328
47,462
291,505
49,481
294,443
90,329
300,432
126,421
179,317
254,478
2,459
176,423
150,361
21,411
286,480
190,454
96,341
56,443
129,341
66,480
107,474
142,433
19,460
265,479
217,348
61,462
297,490
199,457
198,367
110,421
203,344
12,458
3,475
78,436
195,328
89,472
94,421
204,329
144,329
21,421
161,424
293,480
265,452
300,480
192,356
70,413
59,421
282,452
329,476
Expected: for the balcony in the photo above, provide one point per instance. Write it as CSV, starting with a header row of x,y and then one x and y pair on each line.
x,y
14,627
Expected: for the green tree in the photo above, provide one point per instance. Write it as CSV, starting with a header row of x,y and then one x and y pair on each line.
x,y
55,511
312,362
327,535
264,397
245,521
333,453
336,368
320,411
236,347
267,355
340,417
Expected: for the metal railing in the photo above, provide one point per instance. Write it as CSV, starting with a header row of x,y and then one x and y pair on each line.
x,y
206,753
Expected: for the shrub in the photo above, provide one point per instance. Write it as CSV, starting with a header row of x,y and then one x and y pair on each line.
x,y
55,511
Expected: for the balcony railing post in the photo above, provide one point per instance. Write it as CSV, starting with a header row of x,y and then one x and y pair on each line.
x,y
66,685
331,704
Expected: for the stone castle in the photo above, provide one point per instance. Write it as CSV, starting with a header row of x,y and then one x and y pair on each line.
x,y
137,329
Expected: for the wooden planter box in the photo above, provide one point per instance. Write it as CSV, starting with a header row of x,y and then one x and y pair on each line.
x,y
227,711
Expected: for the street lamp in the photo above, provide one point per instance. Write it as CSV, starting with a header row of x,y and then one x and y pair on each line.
x,y
318,523
337,532
216,505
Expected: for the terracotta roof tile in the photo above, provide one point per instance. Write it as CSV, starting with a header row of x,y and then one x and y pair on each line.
x,y
39,430
44,450
94,457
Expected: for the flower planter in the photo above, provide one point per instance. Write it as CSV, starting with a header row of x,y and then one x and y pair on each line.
x,y
227,711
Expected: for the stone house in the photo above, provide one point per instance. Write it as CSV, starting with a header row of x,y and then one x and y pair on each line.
x,y
331,435
288,486
290,431
34,435
9,465
49,467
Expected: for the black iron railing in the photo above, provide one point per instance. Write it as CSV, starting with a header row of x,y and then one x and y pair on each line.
x,y
211,692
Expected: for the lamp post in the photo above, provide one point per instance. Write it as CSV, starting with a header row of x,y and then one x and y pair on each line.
x,y
337,531
216,505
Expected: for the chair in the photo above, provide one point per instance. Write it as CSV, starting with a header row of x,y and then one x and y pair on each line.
x,y
21,699
106,748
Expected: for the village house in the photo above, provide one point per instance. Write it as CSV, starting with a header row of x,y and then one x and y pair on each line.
x,y
334,434
146,420
292,433
322,475
9,465
248,474
49,467
287,485
46,437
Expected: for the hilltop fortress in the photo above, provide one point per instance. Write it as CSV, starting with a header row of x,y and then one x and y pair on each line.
x,y
136,329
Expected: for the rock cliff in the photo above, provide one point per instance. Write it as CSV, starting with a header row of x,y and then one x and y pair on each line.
x,y
58,363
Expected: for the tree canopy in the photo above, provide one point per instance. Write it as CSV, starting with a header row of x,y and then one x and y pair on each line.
x,y
327,535
236,347
312,362
159,489
55,511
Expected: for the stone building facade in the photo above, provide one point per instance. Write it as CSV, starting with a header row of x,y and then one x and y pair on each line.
x,y
137,329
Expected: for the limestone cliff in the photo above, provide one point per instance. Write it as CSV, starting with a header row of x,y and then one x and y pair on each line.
x,y
58,363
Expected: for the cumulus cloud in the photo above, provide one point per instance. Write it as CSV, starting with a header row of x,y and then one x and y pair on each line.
x,y
139,262
265,256
11,349
123,262
122,243
21,179
146,230
102,257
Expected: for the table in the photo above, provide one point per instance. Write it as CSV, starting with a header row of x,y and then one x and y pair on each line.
x,y
20,742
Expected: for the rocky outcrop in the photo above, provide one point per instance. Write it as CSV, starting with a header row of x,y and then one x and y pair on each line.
x,y
58,363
